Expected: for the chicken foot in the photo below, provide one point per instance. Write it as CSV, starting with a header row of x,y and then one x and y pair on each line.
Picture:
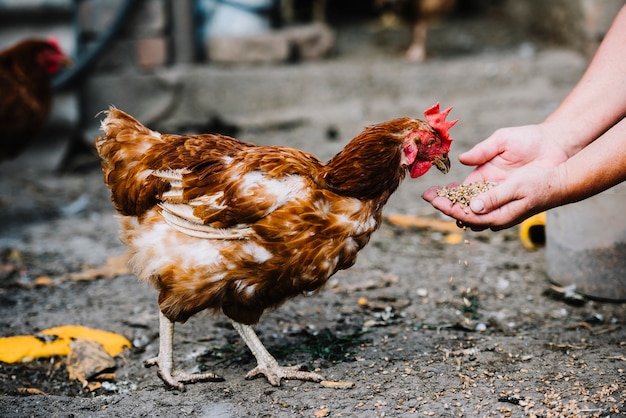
x,y
165,360
266,364
417,49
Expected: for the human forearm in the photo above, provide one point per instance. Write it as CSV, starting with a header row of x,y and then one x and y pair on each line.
x,y
578,151
538,182
599,99
599,166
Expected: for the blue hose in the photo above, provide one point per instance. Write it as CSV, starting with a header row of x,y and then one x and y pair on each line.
x,y
85,61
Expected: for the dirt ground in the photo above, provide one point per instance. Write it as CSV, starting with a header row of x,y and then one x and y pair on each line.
x,y
427,323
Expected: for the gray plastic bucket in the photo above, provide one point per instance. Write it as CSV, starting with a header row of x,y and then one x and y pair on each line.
x,y
586,245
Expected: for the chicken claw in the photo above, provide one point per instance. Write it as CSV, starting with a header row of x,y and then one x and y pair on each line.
x,y
165,360
176,379
275,374
267,365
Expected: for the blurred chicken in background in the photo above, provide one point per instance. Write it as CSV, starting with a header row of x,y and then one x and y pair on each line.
x,y
26,70
418,14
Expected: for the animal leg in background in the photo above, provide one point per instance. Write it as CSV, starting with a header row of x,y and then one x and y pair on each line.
x,y
417,49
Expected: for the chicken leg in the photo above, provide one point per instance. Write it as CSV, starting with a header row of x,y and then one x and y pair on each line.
x,y
417,49
266,364
165,360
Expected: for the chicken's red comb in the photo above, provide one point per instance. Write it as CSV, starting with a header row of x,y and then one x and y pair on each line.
x,y
437,120
53,41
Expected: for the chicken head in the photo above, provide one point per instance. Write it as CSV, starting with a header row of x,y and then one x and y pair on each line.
x,y
429,146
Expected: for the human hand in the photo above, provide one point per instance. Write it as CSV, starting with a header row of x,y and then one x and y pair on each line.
x,y
523,162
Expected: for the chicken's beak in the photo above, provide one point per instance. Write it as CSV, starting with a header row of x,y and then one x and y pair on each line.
x,y
442,163
66,62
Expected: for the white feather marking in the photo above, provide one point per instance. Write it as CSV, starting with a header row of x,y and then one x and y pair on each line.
x,y
143,175
249,290
209,200
173,195
322,206
154,251
171,175
143,147
154,134
259,253
216,277
351,244
199,230
282,190
181,211
368,225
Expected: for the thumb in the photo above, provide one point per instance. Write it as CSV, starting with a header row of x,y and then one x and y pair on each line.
x,y
492,199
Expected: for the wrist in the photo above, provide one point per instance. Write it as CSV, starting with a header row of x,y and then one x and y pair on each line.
x,y
569,137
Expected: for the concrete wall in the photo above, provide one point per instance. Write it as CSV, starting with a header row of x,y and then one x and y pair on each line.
x,y
578,24
149,56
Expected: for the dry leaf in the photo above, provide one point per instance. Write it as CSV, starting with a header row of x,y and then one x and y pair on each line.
x,y
337,385
92,386
31,391
87,359
321,412
419,222
105,376
113,267
44,281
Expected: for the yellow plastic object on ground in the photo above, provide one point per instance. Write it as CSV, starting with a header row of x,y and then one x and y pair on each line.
x,y
56,341
532,232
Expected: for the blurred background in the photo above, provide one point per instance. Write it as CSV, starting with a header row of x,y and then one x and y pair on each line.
x,y
311,74
228,65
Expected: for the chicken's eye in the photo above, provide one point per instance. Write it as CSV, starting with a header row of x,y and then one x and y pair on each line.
x,y
431,142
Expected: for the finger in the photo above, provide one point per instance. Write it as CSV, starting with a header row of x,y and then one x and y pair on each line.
x,y
432,192
501,218
476,228
494,199
478,216
465,218
482,152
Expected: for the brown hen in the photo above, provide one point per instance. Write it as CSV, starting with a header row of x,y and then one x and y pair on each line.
x,y
26,70
217,224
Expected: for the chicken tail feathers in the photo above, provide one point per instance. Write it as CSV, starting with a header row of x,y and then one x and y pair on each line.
x,y
117,121
123,147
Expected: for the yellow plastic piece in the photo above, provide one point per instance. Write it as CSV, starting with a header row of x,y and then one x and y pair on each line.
x,y
56,341
532,232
